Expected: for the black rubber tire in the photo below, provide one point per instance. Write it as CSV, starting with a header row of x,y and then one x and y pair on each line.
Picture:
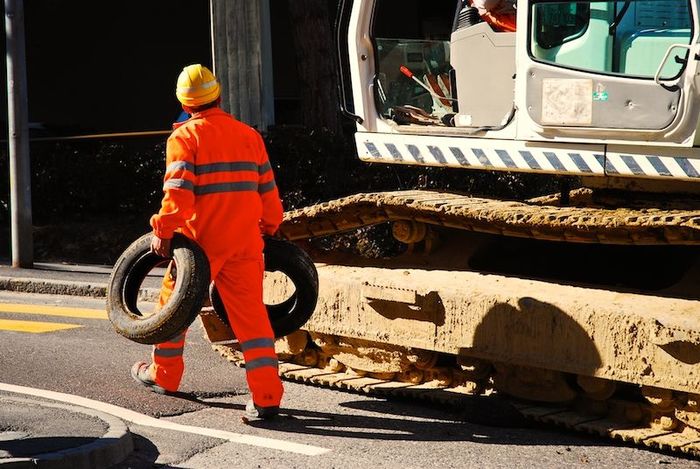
x,y
295,263
191,287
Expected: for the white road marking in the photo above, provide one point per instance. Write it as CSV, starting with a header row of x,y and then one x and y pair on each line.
x,y
148,421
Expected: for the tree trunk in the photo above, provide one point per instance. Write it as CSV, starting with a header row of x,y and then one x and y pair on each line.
x,y
315,52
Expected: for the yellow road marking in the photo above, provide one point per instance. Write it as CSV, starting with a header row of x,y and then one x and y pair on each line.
x,y
83,313
35,327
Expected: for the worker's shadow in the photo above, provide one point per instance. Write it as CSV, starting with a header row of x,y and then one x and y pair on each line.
x,y
479,419
535,333
476,422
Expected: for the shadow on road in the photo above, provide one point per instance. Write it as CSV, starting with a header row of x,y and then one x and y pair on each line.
x,y
482,419
145,454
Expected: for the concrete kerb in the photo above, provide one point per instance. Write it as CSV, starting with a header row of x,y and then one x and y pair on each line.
x,y
111,448
66,287
52,287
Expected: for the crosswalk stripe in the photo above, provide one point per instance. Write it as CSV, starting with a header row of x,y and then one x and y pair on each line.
x,y
45,310
34,327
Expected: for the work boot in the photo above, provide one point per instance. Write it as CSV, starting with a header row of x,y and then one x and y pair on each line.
x,y
253,411
141,372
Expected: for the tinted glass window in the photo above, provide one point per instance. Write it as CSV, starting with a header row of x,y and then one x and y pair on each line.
x,y
624,37
559,23
413,34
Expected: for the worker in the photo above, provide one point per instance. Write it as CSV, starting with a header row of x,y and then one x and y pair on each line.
x,y
219,190
500,14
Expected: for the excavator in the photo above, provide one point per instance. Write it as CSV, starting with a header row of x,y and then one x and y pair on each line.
x,y
582,306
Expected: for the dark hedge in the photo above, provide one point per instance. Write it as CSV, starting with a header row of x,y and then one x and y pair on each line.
x,y
91,198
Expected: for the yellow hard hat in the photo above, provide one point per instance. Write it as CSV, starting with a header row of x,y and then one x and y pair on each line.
x,y
197,86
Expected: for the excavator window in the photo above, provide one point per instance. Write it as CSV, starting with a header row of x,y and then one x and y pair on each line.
x,y
413,34
561,23
628,38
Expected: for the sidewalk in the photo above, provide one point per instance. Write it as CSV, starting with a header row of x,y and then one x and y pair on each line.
x,y
49,435
31,435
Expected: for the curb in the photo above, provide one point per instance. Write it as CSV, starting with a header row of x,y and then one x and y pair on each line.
x,y
107,450
69,288
52,287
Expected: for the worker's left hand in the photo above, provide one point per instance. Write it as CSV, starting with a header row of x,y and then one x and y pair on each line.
x,y
160,246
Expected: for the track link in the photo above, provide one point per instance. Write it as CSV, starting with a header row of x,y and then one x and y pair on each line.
x,y
687,442
579,222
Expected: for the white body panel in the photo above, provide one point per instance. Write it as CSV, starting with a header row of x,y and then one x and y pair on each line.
x,y
539,157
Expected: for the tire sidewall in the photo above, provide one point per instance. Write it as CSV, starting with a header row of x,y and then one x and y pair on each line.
x,y
184,304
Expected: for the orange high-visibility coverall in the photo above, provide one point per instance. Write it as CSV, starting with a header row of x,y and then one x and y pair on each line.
x,y
220,191
500,14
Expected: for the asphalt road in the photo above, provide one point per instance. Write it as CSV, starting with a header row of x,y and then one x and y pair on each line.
x,y
319,428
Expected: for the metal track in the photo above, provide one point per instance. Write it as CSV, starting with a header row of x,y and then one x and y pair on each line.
x,y
586,219
644,224
551,415
570,418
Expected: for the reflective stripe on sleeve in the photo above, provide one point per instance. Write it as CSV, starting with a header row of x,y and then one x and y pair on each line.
x,y
176,165
265,167
168,352
266,187
226,187
257,343
178,184
260,363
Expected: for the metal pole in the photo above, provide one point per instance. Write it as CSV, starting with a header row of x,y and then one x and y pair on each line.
x,y
17,116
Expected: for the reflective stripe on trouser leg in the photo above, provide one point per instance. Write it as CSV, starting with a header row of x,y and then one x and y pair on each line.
x,y
240,285
168,365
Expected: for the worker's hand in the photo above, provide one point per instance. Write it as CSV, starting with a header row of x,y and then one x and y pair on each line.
x,y
267,230
160,246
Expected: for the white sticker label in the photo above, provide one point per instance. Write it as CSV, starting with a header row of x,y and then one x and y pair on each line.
x,y
567,101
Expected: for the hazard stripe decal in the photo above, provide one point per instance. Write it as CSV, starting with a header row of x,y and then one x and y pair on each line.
x,y
553,159
437,153
530,160
659,166
505,157
373,150
395,153
687,167
580,162
583,159
415,153
632,165
459,156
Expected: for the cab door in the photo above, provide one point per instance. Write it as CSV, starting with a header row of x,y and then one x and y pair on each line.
x,y
619,70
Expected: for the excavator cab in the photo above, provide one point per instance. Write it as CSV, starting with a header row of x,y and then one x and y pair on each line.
x,y
573,71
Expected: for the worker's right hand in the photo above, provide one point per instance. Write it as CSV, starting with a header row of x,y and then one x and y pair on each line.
x,y
160,246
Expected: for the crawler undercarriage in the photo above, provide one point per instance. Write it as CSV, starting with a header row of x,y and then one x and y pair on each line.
x,y
588,316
